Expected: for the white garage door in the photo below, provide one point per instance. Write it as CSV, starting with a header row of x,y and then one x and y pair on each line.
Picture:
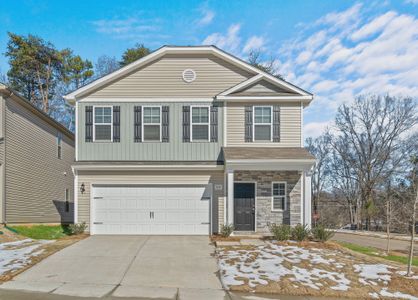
x,y
151,210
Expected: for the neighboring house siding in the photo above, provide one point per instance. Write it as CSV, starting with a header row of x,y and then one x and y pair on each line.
x,y
163,78
35,178
127,149
290,125
91,178
2,159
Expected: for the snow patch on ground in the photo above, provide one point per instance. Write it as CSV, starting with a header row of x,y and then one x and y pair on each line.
x,y
403,273
16,255
370,273
267,263
398,295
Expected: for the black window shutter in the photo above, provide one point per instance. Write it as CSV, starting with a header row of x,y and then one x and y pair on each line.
x,y
137,124
276,123
214,123
89,124
116,124
186,124
248,124
165,135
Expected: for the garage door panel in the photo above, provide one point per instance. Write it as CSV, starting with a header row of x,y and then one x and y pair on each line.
x,y
127,210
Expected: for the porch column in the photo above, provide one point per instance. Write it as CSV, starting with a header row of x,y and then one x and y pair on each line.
x,y
307,216
230,180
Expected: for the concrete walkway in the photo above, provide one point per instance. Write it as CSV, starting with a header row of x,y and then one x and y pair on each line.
x,y
166,267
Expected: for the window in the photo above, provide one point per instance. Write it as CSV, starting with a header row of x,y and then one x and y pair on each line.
x,y
59,145
262,123
200,123
279,196
67,200
152,123
102,123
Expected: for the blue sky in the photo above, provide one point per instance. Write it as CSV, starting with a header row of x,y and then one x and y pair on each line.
x,y
334,49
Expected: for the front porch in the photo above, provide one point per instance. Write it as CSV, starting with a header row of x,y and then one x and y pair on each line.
x,y
265,186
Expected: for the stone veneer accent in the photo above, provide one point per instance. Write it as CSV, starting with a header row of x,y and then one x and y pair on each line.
x,y
264,214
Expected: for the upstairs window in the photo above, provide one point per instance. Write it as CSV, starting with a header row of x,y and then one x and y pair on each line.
x,y
102,126
152,124
279,196
262,123
200,123
59,145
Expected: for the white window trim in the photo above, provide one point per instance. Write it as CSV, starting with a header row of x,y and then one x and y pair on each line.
x,y
271,123
143,124
191,122
111,124
272,195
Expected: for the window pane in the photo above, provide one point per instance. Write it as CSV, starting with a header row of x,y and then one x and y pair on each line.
x,y
151,132
107,119
200,132
200,115
262,132
279,203
151,115
107,111
258,111
103,132
279,189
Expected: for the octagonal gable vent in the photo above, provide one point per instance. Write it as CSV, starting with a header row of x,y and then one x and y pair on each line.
x,y
189,75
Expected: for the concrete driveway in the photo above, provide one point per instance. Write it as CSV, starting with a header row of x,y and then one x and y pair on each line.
x,y
167,267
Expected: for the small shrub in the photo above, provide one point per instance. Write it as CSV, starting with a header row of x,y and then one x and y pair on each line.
x,y
281,232
300,233
321,234
227,229
77,228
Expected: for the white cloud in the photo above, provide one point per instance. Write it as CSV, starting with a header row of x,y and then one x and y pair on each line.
x,y
413,2
254,43
132,27
352,52
315,129
207,17
229,42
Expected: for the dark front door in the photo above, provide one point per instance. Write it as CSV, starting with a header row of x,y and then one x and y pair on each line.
x,y
244,206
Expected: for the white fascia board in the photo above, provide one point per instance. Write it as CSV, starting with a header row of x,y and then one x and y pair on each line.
x,y
146,167
147,99
304,99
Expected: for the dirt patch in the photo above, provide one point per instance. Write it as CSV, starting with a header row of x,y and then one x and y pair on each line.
x,y
312,269
9,236
47,250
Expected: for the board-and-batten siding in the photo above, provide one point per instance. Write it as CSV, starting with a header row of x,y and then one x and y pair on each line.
x,y
35,178
91,178
163,78
127,149
290,125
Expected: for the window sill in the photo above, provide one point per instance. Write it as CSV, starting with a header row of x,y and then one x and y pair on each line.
x,y
278,210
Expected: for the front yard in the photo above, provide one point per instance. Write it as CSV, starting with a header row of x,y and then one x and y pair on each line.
x,y
23,246
311,268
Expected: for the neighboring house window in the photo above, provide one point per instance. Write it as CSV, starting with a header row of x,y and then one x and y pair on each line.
x,y
200,123
59,145
102,126
279,196
262,123
67,200
151,123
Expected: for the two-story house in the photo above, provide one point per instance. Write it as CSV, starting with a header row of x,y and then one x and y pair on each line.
x,y
187,139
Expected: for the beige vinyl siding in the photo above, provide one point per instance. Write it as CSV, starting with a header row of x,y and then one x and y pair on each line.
x,y
35,178
262,88
127,149
290,125
91,178
2,159
163,78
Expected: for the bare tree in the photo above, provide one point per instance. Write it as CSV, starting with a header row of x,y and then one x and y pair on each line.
x,y
368,132
268,66
413,218
319,147
105,65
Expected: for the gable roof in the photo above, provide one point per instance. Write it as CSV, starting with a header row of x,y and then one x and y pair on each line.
x,y
14,95
73,96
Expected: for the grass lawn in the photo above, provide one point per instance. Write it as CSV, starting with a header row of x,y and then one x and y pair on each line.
x,y
377,253
41,232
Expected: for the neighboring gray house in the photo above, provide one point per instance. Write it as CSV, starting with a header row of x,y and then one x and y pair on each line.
x,y
36,154
187,139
